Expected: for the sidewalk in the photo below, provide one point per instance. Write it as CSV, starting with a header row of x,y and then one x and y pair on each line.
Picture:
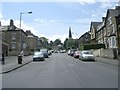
x,y
114,62
11,63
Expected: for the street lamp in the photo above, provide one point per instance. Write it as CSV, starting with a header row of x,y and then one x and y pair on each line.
x,y
21,16
21,29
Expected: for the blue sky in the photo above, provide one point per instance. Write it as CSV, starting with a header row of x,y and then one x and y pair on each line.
x,y
52,19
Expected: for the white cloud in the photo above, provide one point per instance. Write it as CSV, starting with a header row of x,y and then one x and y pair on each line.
x,y
48,1
86,1
5,22
107,0
81,1
25,27
37,19
1,16
84,21
62,37
44,20
52,21
106,5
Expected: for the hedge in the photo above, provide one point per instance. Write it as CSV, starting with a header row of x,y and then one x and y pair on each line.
x,y
92,46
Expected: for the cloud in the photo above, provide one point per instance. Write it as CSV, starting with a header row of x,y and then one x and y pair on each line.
x,y
24,26
107,0
83,2
62,37
5,22
1,16
36,32
48,1
52,21
106,5
44,20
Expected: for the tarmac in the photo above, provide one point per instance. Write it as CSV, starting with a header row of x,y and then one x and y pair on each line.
x,y
11,62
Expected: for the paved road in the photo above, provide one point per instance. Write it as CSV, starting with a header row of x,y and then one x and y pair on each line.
x,y
62,71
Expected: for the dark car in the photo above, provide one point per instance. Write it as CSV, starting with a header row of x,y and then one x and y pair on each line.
x,y
72,52
49,52
45,52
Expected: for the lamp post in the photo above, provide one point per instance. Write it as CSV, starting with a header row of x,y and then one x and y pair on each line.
x,y
21,29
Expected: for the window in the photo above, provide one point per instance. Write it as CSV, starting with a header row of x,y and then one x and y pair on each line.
x,y
113,28
13,36
113,41
108,31
109,40
109,21
13,45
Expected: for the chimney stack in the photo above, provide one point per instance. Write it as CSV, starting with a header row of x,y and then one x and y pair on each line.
x,y
103,18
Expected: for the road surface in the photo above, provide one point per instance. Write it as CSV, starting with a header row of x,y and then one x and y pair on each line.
x,y
62,71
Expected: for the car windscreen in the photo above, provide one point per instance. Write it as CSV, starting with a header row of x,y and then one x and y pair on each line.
x,y
38,53
87,52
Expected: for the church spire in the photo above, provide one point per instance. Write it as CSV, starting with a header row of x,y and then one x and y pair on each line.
x,y
70,34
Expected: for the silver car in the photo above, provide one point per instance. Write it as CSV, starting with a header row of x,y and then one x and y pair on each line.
x,y
38,56
86,55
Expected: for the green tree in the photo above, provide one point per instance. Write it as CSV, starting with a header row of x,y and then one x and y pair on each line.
x,y
57,42
44,42
51,43
65,43
70,44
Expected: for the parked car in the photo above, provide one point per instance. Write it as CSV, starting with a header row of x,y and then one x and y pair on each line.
x,y
76,55
56,51
86,55
62,51
45,52
72,52
68,52
49,52
38,56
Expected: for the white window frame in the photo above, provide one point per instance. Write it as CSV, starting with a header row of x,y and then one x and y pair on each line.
x,y
109,20
13,45
113,41
113,28
13,36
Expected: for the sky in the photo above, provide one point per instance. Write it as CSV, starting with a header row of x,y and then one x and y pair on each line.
x,y
52,19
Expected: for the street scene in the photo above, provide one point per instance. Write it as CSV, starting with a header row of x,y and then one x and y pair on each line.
x,y
62,71
58,44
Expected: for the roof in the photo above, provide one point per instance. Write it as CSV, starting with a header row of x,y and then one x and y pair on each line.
x,y
113,12
95,24
84,34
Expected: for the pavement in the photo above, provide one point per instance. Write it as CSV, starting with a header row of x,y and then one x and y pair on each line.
x,y
114,62
11,62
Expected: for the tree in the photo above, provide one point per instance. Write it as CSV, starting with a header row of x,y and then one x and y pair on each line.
x,y
44,41
70,44
51,43
65,43
57,42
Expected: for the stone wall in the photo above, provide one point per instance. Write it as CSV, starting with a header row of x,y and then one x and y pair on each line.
x,y
108,53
